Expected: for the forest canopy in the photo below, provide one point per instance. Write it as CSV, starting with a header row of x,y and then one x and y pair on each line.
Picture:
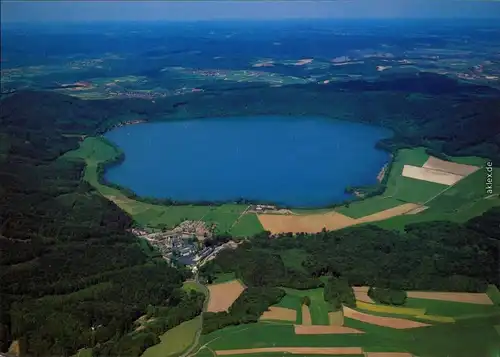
x,y
70,268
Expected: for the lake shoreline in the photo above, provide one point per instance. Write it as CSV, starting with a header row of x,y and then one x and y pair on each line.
x,y
239,200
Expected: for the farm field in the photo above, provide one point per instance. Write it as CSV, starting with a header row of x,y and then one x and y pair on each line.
x,y
471,338
361,293
292,302
280,354
369,206
279,314
247,226
472,327
405,199
450,308
391,322
471,298
458,203
223,295
319,308
175,341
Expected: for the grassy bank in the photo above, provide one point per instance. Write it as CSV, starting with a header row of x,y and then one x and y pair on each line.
x,y
98,151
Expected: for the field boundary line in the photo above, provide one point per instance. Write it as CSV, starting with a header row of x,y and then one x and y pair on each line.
x,y
241,215
447,188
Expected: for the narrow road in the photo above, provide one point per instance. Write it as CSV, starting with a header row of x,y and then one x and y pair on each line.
x,y
196,341
241,215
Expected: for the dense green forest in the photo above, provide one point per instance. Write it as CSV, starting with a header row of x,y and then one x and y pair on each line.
x,y
71,276
439,256
428,256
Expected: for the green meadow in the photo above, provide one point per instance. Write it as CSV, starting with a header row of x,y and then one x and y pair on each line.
x,y
474,337
399,189
227,217
319,307
176,340
456,203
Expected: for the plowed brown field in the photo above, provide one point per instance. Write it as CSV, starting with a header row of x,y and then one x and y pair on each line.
x,y
336,318
391,322
295,350
223,295
451,167
425,174
361,294
323,330
314,223
279,313
306,316
388,354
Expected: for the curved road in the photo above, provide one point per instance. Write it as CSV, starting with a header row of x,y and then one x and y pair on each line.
x,y
198,333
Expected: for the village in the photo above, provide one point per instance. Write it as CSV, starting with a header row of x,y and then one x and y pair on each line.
x,y
185,244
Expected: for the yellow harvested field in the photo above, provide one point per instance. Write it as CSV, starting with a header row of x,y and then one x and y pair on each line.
x,y
331,221
223,295
311,223
425,174
389,309
361,294
471,298
279,313
391,322
388,354
324,330
451,167
306,316
295,350
336,318
388,213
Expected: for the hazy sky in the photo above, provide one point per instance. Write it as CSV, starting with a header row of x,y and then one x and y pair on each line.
x,y
93,10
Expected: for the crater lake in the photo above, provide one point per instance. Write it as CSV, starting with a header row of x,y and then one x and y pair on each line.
x,y
290,161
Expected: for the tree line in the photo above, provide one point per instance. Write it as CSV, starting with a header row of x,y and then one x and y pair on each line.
x,y
439,256
68,264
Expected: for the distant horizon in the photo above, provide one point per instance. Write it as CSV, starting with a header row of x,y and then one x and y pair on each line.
x,y
188,11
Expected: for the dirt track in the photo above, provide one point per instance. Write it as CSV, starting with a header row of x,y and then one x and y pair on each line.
x,y
324,330
361,294
471,298
279,313
296,350
306,316
392,322
223,295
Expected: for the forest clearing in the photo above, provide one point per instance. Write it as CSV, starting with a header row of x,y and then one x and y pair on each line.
x,y
223,295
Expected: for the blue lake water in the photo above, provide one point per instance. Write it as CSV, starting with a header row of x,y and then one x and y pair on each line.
x,y
298,162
